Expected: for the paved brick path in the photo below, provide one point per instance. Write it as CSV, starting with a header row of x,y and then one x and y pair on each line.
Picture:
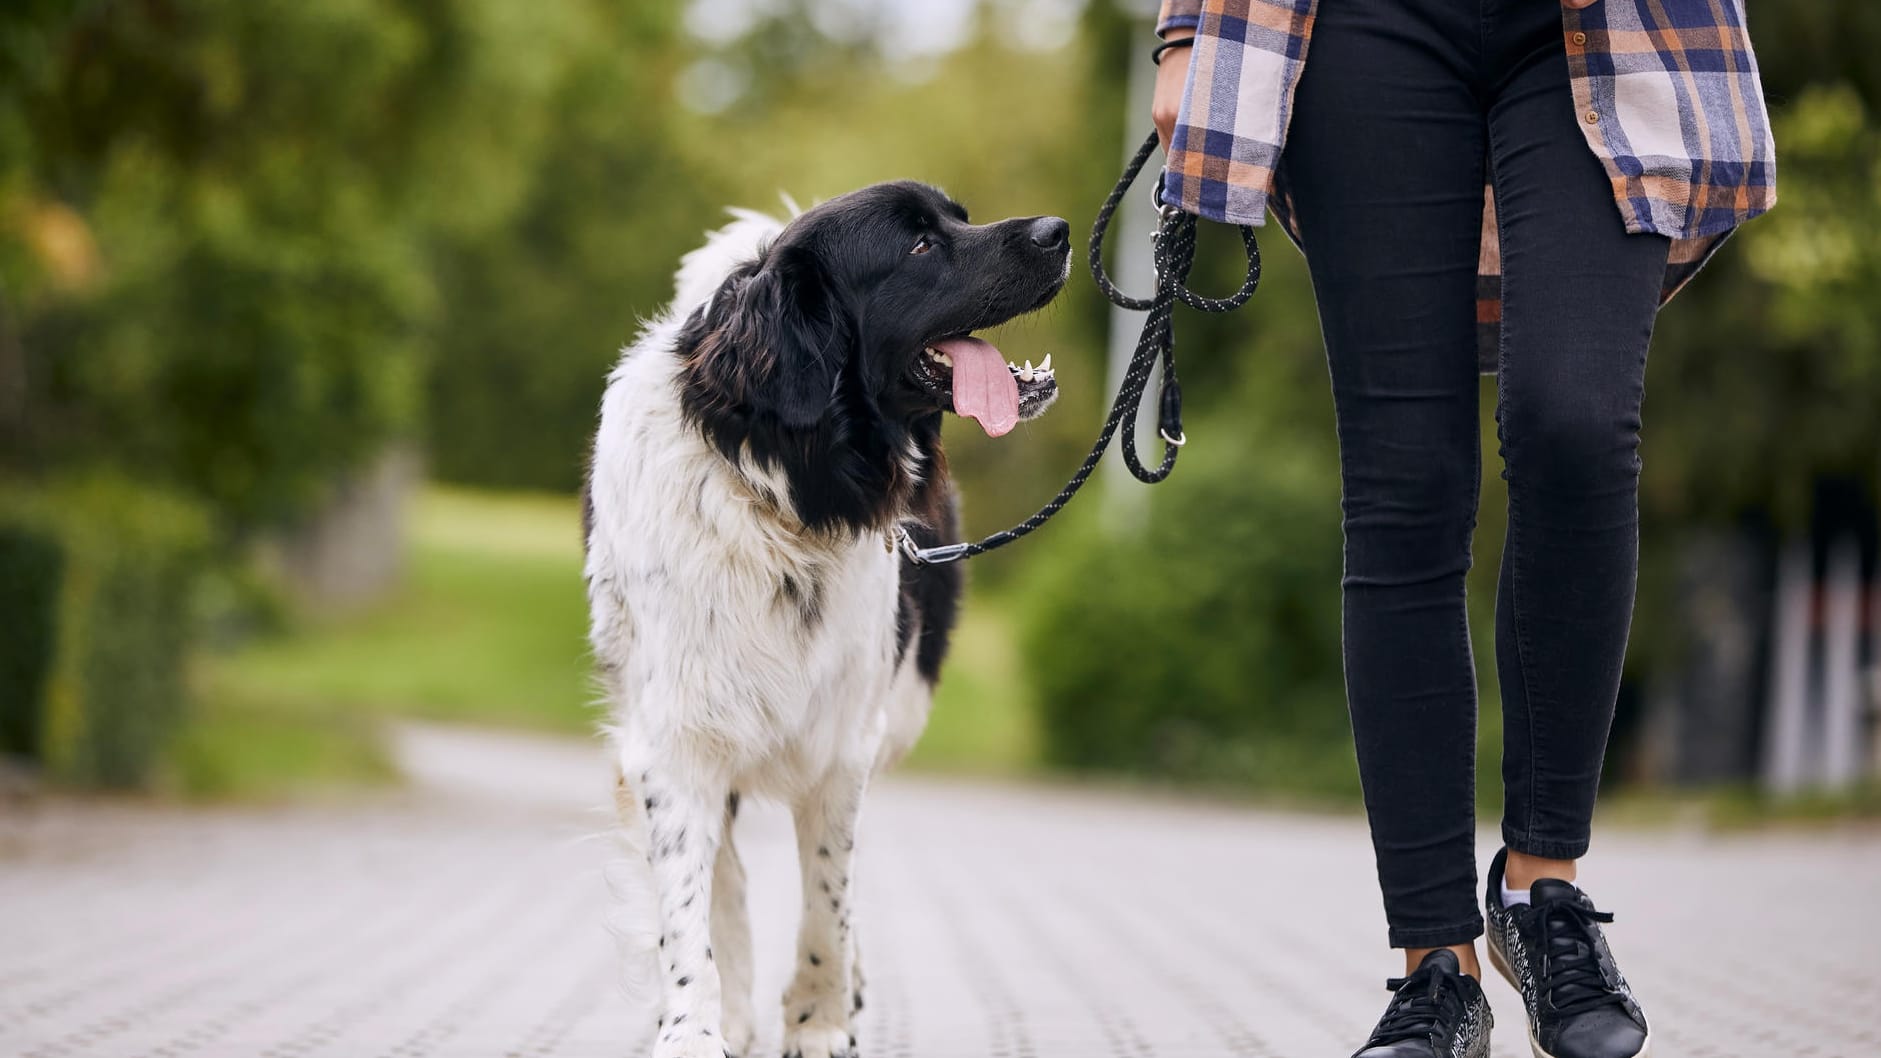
x,y
463,919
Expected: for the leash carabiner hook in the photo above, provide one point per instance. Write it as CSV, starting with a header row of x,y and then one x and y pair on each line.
x,y
929,556
1164,210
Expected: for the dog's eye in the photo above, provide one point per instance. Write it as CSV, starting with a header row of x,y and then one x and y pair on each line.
x,y
921,246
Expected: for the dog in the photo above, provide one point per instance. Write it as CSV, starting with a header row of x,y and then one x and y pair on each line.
x,y
754,628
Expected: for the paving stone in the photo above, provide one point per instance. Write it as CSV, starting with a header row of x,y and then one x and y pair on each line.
x,y
464,918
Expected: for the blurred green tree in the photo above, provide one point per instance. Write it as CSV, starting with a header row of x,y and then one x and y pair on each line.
x,y
234,235
535,310
230,215
244,244
1770,364
1804,43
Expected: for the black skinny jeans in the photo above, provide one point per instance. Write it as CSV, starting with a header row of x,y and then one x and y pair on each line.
x,y
1405,108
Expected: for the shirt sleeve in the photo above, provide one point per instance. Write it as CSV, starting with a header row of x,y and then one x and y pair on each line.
x,y
1179,14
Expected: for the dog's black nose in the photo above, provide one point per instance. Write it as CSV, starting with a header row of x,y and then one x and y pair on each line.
x,y
1050,233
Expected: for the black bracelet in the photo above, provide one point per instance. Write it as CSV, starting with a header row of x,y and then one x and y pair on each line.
x,y
1156,53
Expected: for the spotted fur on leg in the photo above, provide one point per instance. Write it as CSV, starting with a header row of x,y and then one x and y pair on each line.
x,y
819,1006
684,821
855,972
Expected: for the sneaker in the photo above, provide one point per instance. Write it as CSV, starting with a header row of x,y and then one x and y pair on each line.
x,y
1553,952
1437,1012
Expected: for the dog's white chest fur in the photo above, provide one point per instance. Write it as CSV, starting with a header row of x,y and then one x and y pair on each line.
x,y
719,628
767,651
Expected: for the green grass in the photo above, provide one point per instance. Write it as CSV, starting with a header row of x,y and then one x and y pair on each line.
x,y
983,719
248,750
490,628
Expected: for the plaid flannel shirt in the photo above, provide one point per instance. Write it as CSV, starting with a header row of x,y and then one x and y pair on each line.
x,y
1668,91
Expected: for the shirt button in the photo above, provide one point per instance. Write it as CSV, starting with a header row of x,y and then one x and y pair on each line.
x,y
1593,117
1580,39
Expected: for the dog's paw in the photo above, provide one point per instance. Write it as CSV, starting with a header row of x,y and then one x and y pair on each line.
x,y
819,1041
738,1036
686,1041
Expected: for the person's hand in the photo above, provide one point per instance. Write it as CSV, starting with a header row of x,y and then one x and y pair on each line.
x,y
1577,4
1170,78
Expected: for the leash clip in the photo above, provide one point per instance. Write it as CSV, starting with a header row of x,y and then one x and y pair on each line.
x,y
1163,209
927,556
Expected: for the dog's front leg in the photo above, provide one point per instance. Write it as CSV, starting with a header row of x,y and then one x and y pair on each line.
x,y
685,824
731,939
818,1008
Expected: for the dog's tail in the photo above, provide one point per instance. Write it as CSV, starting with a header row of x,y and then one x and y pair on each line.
x,y
634,919
702,270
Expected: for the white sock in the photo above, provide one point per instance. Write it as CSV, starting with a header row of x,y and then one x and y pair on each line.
x,y
1512,897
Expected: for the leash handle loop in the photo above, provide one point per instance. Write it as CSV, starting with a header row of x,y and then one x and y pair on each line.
x,y
1173,244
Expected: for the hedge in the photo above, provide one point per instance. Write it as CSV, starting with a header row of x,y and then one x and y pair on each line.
x,y
30,568
98,576
1202,644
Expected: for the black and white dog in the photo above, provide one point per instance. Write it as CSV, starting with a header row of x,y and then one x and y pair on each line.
x,y
755,629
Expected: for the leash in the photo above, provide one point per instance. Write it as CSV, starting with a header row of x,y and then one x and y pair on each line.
x,y
1174,256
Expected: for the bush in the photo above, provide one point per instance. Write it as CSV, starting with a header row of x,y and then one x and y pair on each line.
x,y
1202,644
29,587
100,572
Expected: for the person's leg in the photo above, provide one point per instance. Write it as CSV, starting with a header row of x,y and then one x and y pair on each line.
x,y
1579,296
1385,165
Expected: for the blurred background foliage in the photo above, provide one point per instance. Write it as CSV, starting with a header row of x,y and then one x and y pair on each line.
x,y
249,247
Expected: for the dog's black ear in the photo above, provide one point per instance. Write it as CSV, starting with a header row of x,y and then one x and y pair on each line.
x,y
773,340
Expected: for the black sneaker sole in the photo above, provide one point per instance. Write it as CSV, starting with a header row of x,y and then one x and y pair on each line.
x,y
1502,967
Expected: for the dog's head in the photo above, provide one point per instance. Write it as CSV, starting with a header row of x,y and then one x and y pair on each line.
x,y
854,330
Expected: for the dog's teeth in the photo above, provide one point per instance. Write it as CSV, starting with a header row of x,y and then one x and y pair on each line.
x,y
1026,375
1045,365
947,360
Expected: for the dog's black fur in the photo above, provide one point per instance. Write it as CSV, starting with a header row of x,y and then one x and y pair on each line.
x,y
804,361
930,595
804,358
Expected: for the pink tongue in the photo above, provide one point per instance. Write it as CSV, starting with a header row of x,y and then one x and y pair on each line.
x,y
983,388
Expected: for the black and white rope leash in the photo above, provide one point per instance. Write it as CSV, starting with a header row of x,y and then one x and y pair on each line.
x,y
1174,256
